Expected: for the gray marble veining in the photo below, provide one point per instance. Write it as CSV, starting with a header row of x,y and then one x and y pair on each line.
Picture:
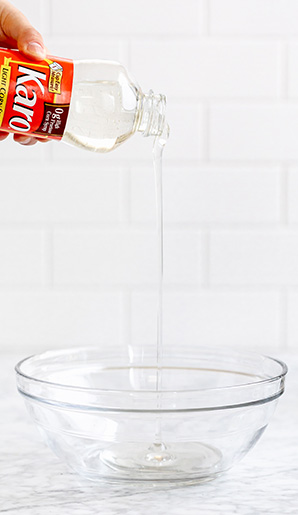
x,y
34,482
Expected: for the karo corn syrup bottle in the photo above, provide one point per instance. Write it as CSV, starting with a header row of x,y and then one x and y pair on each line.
x,y
90,104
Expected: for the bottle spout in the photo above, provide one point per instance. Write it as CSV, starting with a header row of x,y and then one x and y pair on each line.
x,y
152,117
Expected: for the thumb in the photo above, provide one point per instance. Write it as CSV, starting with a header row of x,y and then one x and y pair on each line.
x,y
17,30
31,44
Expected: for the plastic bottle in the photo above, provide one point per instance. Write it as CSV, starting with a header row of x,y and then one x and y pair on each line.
x,y
90,104
107,107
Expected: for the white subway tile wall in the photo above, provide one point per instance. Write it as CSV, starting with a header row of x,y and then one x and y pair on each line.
x,y
78,248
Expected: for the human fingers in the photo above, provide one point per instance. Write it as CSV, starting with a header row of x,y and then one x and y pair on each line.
x,y
3,135
15,28
24,139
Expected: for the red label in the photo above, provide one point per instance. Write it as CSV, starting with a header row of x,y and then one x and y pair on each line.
x,y
34,96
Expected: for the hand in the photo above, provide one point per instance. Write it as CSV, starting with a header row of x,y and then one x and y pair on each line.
x,y
17,32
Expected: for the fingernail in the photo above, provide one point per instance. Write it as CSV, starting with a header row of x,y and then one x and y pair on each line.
x,y
24,140
37,49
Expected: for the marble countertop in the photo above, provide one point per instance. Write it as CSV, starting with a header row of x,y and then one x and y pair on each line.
x,y
34,482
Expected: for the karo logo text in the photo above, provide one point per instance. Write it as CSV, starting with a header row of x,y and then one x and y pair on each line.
x,y
24,102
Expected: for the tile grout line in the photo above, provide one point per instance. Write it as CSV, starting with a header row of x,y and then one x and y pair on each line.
x,y
125,195
283,70
283,320
149,227
283,195
46,17
48,258
205,263
170,288
124,47
125,330
129,52
206,134
204,19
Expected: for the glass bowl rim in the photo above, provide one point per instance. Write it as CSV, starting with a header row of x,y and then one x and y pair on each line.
x,y
218,350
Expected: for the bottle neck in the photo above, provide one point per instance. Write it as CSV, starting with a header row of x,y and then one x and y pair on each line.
x,y
152,109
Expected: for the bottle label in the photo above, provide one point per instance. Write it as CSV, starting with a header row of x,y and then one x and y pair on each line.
x,y
34,96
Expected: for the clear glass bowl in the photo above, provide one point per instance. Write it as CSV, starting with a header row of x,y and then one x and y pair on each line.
x,y
100,412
